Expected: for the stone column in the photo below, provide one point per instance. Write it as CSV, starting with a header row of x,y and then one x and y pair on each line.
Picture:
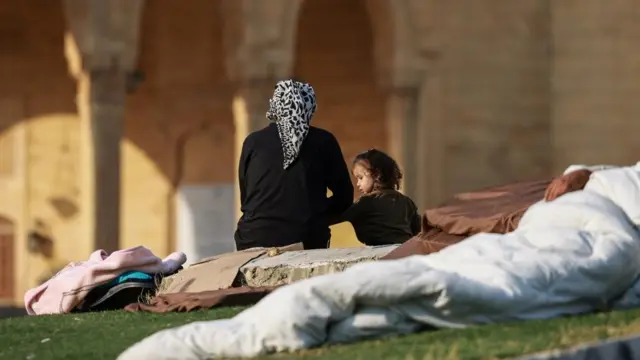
x,y
403,131
255,58
250,106
400,72
431,144
100,102
101,50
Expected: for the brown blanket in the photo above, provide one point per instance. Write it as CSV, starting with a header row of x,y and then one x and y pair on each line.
x,y
493,210
184,302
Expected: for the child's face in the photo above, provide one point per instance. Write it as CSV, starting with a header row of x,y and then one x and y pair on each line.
x,y
363,175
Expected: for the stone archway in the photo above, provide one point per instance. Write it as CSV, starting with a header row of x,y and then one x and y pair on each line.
x,y
180,118
174,118
260,43
393,39
7,266
399,75
339,62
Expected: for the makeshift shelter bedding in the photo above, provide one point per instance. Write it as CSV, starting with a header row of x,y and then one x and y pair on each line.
x,y
573,255
195,288
496,209
491,210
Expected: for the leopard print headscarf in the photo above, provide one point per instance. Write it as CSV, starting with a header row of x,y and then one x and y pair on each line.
x,y
291,108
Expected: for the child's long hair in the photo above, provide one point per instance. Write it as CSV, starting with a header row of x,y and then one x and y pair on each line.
x,y
384,170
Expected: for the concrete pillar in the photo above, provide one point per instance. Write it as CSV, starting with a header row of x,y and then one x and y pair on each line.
x,y
259,53
250,106
403,131
100,102
401,71
431,145
101,49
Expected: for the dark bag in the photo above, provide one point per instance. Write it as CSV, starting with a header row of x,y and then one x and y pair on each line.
x,y
128,288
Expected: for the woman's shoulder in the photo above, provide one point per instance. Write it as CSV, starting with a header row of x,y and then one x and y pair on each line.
x,y
257,136
320,131
322,135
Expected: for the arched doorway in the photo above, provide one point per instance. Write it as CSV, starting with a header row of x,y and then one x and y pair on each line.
x,y
6,258
335,53
181,123
37,97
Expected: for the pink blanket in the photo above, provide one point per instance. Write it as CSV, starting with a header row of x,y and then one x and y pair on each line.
x,y
67,288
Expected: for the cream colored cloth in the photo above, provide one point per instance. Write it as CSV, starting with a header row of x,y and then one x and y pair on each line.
x,y
200,276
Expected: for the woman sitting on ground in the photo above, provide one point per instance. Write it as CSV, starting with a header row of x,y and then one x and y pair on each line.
x,y
284,172
382,215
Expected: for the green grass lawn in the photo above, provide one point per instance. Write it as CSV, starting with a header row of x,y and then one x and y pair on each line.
x,y
105,335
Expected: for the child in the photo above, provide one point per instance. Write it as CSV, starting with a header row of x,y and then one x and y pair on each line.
x,y
382,215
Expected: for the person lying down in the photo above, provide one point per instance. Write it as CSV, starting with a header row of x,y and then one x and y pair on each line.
x,y
574,254
574,178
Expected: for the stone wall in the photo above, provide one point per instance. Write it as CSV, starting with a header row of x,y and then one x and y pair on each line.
x,y
40,132
493,70
596,82
179,121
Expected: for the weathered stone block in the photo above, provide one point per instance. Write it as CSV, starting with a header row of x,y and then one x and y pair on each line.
x,y
299,265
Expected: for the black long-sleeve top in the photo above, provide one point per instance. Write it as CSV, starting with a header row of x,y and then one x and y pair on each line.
x,y
382,218
282,207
